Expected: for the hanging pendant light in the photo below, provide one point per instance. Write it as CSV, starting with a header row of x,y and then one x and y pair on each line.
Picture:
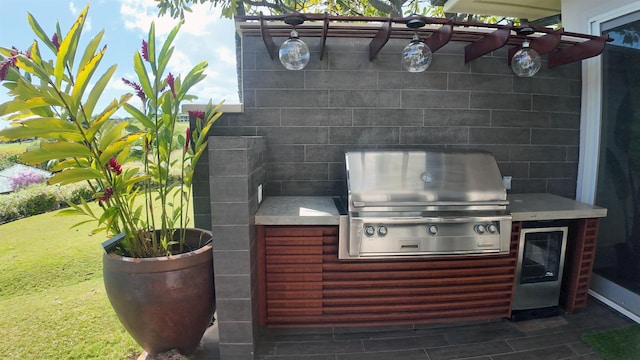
x,y
526,62
294,53
416,56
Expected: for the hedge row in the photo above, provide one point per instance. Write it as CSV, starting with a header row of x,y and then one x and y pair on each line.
x,y
38,199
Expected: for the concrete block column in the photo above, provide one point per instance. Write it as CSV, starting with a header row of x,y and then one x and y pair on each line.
x,y
236,169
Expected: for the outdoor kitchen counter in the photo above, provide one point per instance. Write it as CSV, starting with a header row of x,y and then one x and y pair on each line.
x,y
321,210
302,283
542,206
298,210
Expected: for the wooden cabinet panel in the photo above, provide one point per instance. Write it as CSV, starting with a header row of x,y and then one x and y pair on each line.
x,y
301,266
581,251
302,282
290,271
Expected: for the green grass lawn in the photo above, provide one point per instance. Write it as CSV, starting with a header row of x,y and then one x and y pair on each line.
x,y
52,299
15,148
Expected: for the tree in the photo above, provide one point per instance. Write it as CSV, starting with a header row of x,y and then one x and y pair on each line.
x,y
395,8
176,8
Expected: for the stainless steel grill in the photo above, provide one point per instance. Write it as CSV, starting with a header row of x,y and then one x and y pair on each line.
x,y
417,203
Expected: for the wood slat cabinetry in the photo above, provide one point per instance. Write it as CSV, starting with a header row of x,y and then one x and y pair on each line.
x,y
578,265
302,283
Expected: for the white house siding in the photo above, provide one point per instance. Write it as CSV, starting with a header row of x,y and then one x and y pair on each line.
x,y
576,13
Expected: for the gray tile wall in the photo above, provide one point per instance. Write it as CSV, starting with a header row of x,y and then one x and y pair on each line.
x,y
236,169
297,125
344,102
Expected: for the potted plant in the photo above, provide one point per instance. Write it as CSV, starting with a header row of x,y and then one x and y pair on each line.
x,y
158,274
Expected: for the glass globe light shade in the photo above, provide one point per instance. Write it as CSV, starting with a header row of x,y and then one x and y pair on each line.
x,y
416,56
294,53
526,61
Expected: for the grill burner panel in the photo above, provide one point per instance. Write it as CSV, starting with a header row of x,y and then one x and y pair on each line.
x,y
416,203
427,236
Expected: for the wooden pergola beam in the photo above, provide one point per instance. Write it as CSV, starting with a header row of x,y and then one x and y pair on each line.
x,y
323,37
380,39
267,38
493,41
578,52
440,37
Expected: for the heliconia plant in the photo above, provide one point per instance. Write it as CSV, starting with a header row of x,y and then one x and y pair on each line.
x,y
56,100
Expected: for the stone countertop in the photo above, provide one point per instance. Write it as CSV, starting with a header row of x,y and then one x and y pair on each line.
x,y
321,210
542,206
297,210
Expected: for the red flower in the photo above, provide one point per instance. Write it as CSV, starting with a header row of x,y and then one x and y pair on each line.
x,y
4,67
17,52
170,81
145,51
187,141
108,192
197,114
11,61
55,41
137,88
114,166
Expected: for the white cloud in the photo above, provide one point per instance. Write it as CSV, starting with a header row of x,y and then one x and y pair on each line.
x,y
72,8
87,24
138,15
203,36
226,55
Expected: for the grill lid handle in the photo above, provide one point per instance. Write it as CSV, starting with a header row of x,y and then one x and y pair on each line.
x,y
362,204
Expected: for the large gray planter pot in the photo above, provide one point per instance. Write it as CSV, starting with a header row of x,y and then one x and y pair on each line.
x,y
166,302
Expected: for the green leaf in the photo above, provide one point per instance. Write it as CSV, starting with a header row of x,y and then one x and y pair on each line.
x,y
114,148
21,105
55,150
70,211
84,75
80,222
74,175
54,124
138,115
100,120
67,49
40,33
167,49
87,208
112,134
48,128
143,77
91,48
136,179
151,47
98,89
70,163
193,77
25,90
164,61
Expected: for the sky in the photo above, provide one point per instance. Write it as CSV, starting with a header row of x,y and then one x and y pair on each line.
x,y
203,36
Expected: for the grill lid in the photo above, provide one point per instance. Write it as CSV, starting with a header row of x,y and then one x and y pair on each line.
x,y
394,179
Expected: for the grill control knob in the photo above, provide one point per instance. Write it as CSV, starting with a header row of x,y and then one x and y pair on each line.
x,y
432,230
369,230
479,229
492,228
382,230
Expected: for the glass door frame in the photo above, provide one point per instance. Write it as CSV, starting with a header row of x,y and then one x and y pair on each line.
x,y
615,296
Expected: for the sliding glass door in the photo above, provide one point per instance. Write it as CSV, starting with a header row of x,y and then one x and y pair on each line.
x,y
617,265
